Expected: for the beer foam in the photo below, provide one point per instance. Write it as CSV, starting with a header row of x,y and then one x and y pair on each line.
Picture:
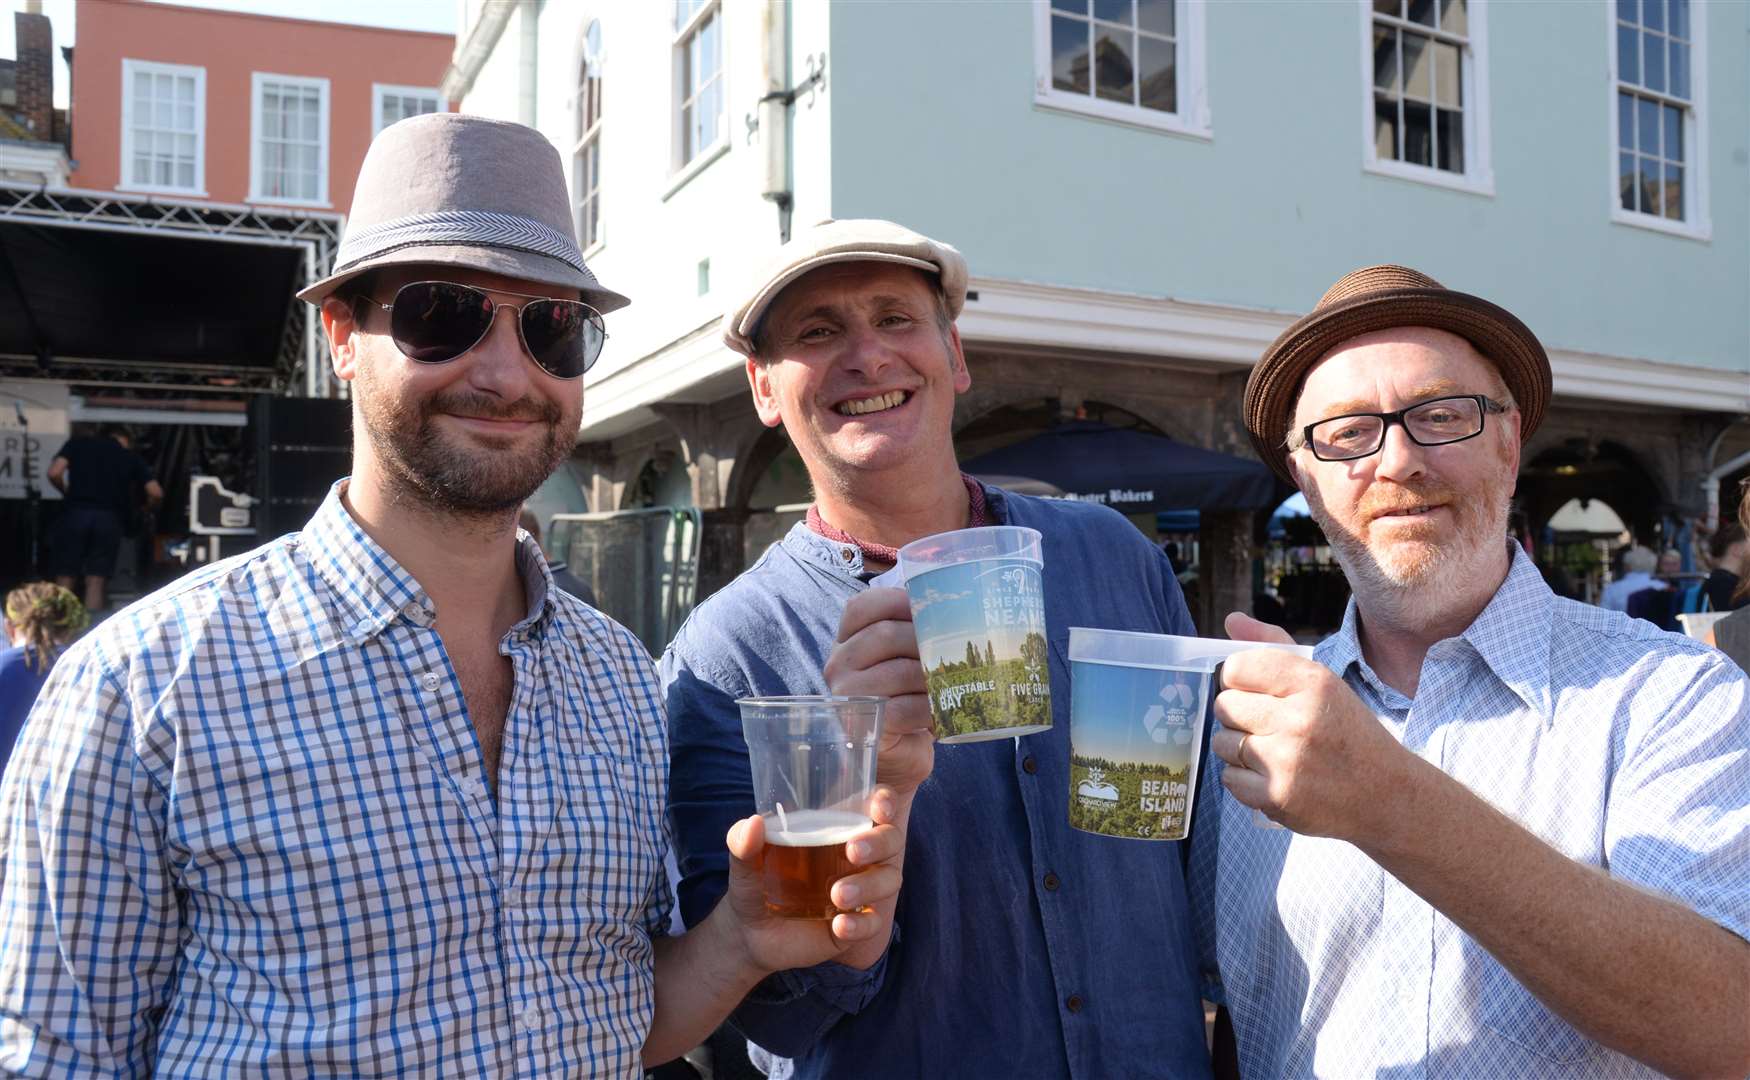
x,y
815,828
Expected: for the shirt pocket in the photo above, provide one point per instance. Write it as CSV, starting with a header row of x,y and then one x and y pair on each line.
x,y
1510,1011
608,839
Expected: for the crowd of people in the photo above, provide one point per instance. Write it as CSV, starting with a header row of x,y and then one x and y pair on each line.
x,y
378,798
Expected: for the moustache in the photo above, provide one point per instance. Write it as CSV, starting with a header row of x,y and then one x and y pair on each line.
x,y
1397,497
490,408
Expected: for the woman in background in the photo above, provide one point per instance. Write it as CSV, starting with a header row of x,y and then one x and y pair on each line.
x,y
1732,633
41,618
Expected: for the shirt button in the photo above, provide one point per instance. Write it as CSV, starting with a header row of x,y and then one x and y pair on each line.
x,y
1073,1003
474,789
531,1018
1028,765
429,680
412,611
847,553
1051,882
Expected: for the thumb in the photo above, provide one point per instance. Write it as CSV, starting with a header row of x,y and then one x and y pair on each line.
x,y
1242,627
747,840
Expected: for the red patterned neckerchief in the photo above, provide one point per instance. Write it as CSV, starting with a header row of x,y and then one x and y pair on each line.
x,y
977,516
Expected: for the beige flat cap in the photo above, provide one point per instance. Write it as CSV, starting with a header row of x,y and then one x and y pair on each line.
x,y
851,240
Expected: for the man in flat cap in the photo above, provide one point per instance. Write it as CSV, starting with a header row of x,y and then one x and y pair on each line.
x,y
1520,825
376,798
1020,947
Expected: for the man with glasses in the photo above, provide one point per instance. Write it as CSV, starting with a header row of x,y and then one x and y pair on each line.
x,y
1518,827
376,798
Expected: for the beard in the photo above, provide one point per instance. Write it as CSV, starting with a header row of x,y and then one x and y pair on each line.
x,y
444,475
1420,567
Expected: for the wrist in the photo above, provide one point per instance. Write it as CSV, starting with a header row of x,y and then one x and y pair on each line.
x,y
728,940
1398,817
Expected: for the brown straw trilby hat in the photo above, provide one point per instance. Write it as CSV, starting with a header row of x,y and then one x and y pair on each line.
x,y
1380,298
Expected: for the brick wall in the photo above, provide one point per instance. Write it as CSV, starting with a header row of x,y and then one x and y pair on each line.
x,y
36,73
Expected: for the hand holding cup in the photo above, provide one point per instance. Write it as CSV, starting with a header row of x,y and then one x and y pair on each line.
x,y
877,655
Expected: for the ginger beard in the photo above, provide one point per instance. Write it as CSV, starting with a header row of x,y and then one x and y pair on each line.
x,y
439,470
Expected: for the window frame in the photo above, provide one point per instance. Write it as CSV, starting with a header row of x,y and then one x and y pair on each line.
x,y
131,67
681,169
588,65
379,91
1697,223
1478,177
1190,20
257,82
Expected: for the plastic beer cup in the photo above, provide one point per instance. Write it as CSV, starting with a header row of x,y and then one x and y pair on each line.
x,y
813,764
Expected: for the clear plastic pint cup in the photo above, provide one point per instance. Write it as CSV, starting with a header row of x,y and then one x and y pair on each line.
x,y
978,605
813,762
1137,716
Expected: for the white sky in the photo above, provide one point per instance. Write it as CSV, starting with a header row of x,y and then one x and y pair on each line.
x,y
438,15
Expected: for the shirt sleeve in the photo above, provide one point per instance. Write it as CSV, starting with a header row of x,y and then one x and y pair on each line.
x,y
1679,812
89,916
710,789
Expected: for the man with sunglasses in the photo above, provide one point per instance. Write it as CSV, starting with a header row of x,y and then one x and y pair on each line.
x,y
377,798
1518,827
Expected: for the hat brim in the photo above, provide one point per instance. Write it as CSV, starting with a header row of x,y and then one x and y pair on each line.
x,y
762,300
1498,335
524,265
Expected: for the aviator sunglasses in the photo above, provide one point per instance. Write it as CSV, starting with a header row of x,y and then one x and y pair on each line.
x,y
433,322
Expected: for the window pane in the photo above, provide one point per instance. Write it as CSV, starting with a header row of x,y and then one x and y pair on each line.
x,y
1653,15
1418,133
1117,11
1385,129
142,169
185,118
1628,55
1679,69
1626,10
1385,60
312,123
1069,54
164,87
1422,11
708,35
1626,179
1155,16
1158,67
1446,81
185,147
1389,7
1114,72
1418,80
164,172
1454,18
1647,124
142,89
1649,185
1625,121
1080,7
163,113
1674,192
1653,62
1449,140
687,143
185,90
1673,133
1680,19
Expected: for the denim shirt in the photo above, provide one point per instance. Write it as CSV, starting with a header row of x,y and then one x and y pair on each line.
x,y
1021,947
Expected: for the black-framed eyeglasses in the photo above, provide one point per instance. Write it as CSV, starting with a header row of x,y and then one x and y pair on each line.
x,y
434,322
1430,423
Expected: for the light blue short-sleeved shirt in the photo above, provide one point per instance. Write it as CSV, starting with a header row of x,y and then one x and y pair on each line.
x,y
1620,745
248,831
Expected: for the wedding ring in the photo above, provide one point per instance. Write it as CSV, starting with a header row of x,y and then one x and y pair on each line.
x,y
1240,751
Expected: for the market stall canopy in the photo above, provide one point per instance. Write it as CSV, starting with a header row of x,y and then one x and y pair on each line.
x,y
1131,471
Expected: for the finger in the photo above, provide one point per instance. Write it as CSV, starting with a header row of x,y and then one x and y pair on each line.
x,y
848,927
876,845
867,888
906,714
1242,627
852,671
1225,744
881,807
1248,787
873,606
1245,712
747,839
1271,671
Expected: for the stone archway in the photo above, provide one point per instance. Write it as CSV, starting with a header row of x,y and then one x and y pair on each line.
x,y
1581,469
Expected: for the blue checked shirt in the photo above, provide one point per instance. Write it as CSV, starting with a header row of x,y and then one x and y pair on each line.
x,y
247,832
1620,745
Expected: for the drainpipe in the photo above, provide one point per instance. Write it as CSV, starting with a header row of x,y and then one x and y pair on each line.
x,y
527,62
774,111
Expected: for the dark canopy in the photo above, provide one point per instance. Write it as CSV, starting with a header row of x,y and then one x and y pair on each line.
x,y
1132,471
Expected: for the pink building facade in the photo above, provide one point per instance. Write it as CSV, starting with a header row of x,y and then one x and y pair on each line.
x,y
236,108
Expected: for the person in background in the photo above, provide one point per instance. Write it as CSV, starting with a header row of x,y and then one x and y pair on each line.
x,y
1638,564
562,575
101,480
1731,635
41,619
1727,550
1670,564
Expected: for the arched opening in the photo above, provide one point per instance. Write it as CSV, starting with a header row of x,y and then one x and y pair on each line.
x,y
1580,469
1010,424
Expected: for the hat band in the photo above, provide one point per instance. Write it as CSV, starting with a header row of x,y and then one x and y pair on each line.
x,y
474,228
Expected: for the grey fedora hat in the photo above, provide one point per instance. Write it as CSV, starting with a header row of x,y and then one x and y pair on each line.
x,y
458,190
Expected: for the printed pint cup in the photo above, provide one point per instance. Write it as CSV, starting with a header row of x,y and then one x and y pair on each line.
x,y
1137,708
813,762
978,605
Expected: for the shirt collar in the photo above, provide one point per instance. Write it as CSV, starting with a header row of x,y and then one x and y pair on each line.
x,y
842,558
372,590
1511,636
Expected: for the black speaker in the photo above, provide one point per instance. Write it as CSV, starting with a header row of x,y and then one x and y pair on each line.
x,y
302,446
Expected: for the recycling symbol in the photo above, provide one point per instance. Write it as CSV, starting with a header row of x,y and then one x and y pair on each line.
x,y
1170,722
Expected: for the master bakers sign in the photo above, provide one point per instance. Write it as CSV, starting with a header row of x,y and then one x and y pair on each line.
x,y
33,425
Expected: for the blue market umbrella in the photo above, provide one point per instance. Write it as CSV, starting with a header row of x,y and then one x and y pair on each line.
x,y
1132,471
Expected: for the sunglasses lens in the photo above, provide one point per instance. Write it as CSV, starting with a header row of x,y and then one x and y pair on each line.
x,y
564,336
435,321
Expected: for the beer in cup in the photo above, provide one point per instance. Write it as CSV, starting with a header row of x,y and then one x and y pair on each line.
x,y
978,606
1138,708
813,764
